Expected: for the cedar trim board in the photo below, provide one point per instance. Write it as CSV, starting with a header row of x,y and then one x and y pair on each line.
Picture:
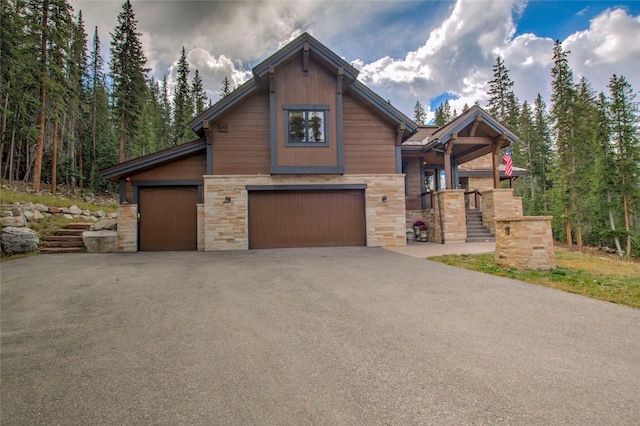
x,y
305,187
319,218
311,170
137,184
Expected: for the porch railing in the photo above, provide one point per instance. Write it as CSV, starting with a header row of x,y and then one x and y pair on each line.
x,y
473,200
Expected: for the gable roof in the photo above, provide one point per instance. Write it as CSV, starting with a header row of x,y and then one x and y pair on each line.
x,y
114,173
329,59
443,134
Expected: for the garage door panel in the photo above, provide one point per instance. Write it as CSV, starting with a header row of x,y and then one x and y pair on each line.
x,y
280,219
168,218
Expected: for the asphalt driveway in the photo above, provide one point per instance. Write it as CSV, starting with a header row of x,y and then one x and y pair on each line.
x,y
348,336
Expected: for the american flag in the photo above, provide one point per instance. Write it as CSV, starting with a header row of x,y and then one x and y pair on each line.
x,y
508,164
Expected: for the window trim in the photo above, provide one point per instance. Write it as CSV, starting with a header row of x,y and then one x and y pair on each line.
x,y
306,109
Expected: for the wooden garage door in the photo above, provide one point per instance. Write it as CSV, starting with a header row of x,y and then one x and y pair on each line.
x,y
168,218
329,218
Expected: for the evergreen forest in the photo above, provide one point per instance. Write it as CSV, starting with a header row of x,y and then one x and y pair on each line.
x,y
64,117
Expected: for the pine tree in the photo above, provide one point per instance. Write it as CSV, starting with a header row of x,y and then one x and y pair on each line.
x,y
503,104
182,103
626,139
198,94
606,189
128,74
543,157
167,124
419,115
96,85
563,98
226,88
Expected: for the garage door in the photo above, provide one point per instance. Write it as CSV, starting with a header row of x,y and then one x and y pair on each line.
x,y
168,218
328,218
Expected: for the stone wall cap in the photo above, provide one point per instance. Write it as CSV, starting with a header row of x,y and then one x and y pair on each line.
x,y
522,218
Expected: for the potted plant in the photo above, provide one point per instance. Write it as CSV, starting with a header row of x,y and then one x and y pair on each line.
x,y
420,228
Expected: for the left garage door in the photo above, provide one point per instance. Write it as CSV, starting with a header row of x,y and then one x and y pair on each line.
x,y
168,218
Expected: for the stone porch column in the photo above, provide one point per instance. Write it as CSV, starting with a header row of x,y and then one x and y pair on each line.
x,y
450,218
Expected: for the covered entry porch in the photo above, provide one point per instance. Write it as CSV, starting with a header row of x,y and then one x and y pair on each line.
x,y
451,173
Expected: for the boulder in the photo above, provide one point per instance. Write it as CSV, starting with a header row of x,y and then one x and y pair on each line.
x,y
13,221
28,214
19,240
16,211
75,210
41,208
37,215
106,224
100,241
68,216
28,207
6,213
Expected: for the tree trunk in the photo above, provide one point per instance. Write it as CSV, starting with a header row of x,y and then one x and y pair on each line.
x,y
3,126
93,138
122,136
54,158
80,153
613,225
43,98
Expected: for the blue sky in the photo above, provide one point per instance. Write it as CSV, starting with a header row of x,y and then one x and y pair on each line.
x,y
406,51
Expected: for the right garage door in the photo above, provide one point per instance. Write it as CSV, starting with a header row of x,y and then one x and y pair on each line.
x,y
324,218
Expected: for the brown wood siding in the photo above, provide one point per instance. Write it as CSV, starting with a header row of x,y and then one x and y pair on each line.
x,y
168,218
293,88
244,148
188,168
306,219
414,182
369,141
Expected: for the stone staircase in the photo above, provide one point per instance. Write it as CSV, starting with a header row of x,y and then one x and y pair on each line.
x,y
66,240
476,232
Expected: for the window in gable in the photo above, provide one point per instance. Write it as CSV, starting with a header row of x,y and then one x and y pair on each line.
x,y
306,125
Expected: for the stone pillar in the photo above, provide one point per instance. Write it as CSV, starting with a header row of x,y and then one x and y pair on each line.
x,y
525,242
200,243
128,228
449,204
499,203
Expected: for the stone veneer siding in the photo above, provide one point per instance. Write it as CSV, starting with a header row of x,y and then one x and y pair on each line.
x,y
226,224
200,225
499,203
454,222
525,242
128,228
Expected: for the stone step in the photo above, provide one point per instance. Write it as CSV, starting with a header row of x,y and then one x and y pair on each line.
x,y
46,250
64,238
53,244
79,225
68,232
481,239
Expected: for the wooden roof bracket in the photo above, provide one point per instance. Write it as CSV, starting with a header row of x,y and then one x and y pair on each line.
x,y
452,141
272,79
305,58
400,133
339,80
477,121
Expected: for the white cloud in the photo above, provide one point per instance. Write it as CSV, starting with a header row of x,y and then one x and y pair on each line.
x,y
610,46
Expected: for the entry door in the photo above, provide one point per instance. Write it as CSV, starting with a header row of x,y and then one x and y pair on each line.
x,y
168,218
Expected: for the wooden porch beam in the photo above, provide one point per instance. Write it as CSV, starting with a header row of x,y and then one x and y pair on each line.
x,y
500,141
480,140
477,121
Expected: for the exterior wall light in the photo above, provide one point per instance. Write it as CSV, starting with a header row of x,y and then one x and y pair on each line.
x,y
384,198
227,200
